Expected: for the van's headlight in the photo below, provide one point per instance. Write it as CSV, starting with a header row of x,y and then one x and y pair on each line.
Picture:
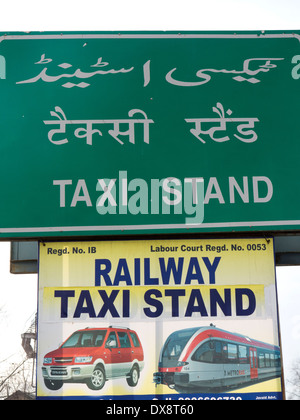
x,y
47,360
83,359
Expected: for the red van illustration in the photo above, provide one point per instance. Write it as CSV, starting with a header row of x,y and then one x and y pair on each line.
x,y
93,356
211,359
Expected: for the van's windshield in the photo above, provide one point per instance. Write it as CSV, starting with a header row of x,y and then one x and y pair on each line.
x,y
85,339
175,345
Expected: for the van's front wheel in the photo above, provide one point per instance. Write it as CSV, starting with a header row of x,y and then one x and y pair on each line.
x,y
134,376
53,385
97,380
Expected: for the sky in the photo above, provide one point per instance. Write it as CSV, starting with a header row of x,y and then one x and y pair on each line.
x,y
149,15
18,293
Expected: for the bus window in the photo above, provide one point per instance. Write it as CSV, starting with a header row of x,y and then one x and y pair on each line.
x,y
232,353
218,358
243,355
261,360
255,358
251,359
204,354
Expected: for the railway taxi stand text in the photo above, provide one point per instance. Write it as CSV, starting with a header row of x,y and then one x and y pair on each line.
x,y
113,293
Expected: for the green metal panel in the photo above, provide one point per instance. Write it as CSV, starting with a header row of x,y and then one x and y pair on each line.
x,y
77,108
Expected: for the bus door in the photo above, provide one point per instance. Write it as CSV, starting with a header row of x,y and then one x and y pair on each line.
x,y
253,363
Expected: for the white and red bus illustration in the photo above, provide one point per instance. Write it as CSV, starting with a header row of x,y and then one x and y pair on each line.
x,y
212,359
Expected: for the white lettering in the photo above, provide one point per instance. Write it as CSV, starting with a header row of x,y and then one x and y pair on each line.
x,y
62,190
81,186
213,183
171,190
256,196
107,189
233,185
136,196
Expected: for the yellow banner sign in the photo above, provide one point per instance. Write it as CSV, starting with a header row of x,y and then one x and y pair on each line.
x,y
158,319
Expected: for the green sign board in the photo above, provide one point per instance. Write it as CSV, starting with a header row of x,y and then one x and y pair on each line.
x,y
111,133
